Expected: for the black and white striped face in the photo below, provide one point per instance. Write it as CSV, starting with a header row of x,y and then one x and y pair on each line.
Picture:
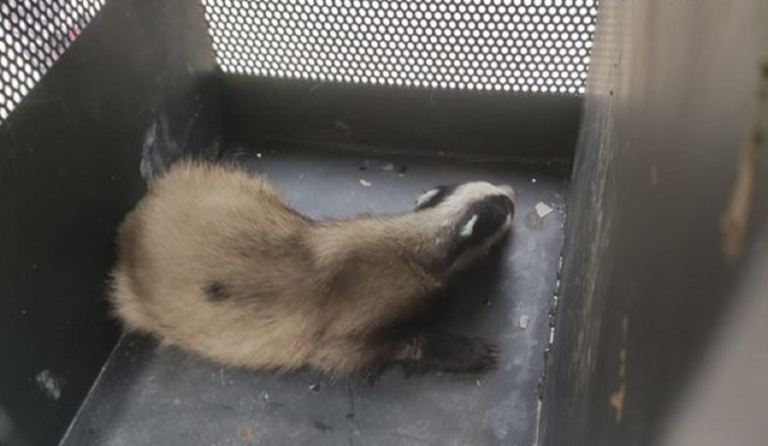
x,y
479,214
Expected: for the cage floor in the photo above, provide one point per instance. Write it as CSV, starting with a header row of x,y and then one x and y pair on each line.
x,y
150,394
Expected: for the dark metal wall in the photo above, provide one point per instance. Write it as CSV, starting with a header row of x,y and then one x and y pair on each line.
x,y
133,92
535,127
669,189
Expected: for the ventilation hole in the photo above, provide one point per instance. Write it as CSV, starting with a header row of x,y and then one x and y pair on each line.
x,y
524,46
33,34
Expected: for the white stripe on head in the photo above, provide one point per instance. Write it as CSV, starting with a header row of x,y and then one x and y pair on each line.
x,y
466,231
507,223
468,193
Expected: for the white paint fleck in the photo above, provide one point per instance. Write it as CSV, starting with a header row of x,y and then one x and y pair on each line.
x,y
524,321
365,183
49,383
542,209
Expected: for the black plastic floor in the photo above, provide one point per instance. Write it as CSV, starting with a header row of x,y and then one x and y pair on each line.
x,y
150,394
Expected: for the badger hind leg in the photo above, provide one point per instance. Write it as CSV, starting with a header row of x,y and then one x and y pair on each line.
x,y
418,351
430,351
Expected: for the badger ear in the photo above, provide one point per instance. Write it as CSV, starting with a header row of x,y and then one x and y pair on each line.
x,y
424,198
433,197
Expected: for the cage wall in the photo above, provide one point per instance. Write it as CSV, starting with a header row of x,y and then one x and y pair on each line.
x,y
667,209
125,89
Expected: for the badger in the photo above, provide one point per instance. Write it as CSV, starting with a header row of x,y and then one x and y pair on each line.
x,y
213,260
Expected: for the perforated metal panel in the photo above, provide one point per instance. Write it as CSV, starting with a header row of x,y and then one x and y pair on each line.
x,y
523,45
33,35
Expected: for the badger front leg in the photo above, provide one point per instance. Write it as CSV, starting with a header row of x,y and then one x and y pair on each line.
x,y
427,351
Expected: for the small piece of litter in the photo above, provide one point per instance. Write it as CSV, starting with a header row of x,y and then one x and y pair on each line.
x,y
533,221
258,155
389,167
49,383
244,434
543,209
533,180
524,321
366,183
478,382
315,387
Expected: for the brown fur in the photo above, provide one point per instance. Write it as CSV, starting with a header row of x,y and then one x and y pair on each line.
x,y
213,260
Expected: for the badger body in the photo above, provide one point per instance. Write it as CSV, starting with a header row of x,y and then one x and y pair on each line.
x,y
213,260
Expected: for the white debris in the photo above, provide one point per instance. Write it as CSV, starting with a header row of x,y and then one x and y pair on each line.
x,y
524,321
365,183
49,383
542,209
533,180
389,167
258,155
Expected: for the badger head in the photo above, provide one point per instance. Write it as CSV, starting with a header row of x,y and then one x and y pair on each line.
x,y
472,216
